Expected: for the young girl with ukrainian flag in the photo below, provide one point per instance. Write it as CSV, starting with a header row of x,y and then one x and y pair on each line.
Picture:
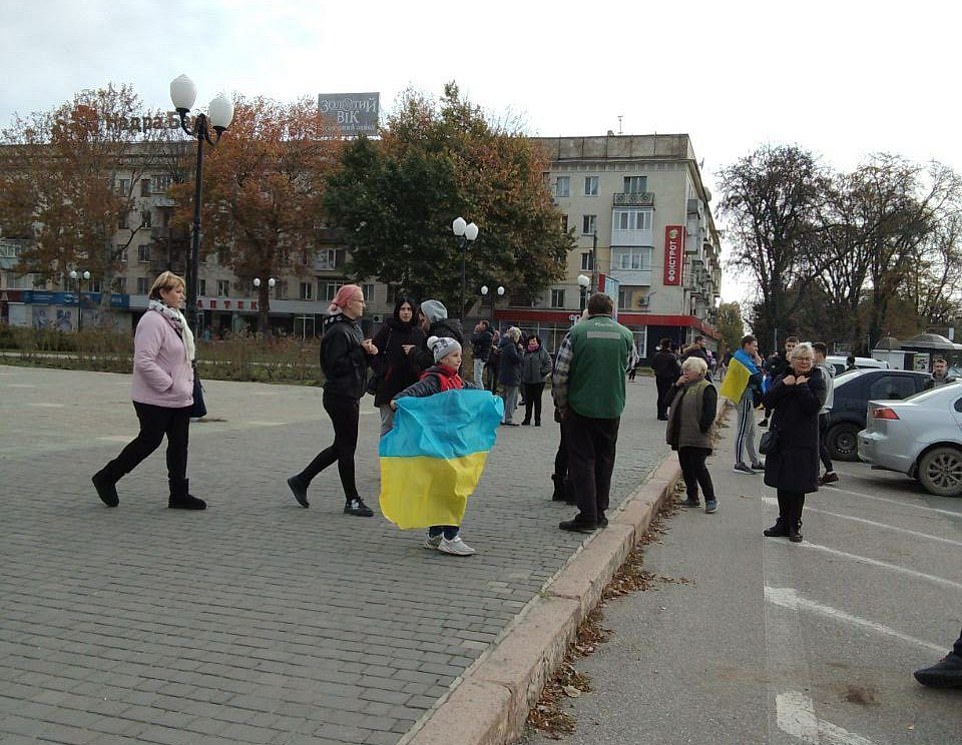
x,y
433,457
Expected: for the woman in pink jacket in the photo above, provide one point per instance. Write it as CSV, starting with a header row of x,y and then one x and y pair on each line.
x,y
163,394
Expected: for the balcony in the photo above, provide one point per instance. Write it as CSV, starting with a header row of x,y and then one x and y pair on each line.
x,y
633,199
631,277
631,237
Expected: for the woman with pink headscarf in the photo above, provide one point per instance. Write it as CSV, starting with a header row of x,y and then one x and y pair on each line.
x,y
345,356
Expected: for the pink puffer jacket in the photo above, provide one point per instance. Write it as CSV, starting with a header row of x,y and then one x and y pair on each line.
x,y
162,374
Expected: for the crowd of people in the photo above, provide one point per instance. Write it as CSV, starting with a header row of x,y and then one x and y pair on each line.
x,y
418,352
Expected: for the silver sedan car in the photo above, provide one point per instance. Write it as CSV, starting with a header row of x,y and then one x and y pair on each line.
x,y
920,436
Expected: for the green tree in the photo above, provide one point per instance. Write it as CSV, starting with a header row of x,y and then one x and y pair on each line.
x,y
394,201
730,325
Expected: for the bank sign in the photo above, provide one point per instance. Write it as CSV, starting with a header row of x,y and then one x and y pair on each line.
x,y
674,253
353,113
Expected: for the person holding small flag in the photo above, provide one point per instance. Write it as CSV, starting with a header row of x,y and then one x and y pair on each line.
x,y
743,387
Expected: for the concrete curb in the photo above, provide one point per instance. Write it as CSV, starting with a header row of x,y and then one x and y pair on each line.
x,y
490,704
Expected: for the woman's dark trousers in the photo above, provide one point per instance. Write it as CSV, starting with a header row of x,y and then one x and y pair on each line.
x,y
345,415
695,472
532,397
155,423
790,504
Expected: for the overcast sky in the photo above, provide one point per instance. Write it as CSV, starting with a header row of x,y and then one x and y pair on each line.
x,y
843,78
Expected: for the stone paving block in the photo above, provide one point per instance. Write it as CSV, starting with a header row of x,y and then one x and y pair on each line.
x,y
290,612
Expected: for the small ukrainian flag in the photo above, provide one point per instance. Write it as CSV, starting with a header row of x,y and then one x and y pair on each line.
x,y
433,457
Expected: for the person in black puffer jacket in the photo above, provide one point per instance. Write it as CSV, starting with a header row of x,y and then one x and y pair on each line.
x,y
345,355
435,322
395,365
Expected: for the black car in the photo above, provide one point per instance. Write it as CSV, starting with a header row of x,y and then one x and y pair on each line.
x,y
853,390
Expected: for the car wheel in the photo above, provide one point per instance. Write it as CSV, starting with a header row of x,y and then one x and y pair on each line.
x,y
940,471
843,441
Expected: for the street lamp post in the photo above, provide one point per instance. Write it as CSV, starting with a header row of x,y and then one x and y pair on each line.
x,y
494,299
265,302
80,277
183,93
583,283
466,232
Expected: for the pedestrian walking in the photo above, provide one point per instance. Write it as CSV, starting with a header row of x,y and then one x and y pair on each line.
x,y
535,368
163,395
795,399
588,385
441,377
664,364
693,410
345,356
395,364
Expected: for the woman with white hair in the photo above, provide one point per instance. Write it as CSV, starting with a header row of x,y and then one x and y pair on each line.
x,y
796,398
689,430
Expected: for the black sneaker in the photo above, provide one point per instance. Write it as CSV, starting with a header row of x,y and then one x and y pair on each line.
x,y
299,491
578,525
602,521
357,507
944,674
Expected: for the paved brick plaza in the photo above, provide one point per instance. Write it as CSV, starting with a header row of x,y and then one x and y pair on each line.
x,y
256,621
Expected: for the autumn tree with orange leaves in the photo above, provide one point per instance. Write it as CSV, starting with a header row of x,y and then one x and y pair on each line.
x,y
70,179
263,189
394,200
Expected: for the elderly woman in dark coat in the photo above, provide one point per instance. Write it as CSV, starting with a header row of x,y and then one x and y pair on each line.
x,y
689,430
792,468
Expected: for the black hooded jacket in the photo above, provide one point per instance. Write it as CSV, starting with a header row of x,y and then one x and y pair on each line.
x,y
343,360
395,369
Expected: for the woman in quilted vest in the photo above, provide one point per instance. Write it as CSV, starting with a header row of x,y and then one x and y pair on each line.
x,y
689,430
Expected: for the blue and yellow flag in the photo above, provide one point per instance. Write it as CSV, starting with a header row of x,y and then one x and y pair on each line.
x,y
432,459
740,371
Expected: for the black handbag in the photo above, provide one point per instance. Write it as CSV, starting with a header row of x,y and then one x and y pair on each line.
x,y
769,442
199,409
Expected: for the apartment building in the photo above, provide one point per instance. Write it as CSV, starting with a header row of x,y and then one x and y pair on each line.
x,y
637,205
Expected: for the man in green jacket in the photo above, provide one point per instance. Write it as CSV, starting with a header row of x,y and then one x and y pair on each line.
x,y
588,385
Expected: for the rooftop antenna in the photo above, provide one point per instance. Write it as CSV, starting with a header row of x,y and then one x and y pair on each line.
x,y
619,123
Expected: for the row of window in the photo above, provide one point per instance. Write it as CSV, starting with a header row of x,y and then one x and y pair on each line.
x,y
632,185
628,219
148,186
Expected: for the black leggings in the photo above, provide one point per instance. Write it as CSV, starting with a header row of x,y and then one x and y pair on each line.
x,y
345,414
155,422
695,472
532,397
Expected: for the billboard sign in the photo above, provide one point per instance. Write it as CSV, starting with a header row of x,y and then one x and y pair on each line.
x,y
674,247
352,113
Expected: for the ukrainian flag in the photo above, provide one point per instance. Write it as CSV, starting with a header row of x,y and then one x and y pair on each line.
x,y
432,459
737,377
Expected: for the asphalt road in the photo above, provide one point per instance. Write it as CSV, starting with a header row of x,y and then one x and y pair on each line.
x,y
772,642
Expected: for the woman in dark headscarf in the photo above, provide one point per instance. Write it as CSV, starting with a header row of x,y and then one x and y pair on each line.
x,y
395,365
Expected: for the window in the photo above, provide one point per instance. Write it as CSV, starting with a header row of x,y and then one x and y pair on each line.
x,y
121,284
145,187
368,291
632,220
562,186
586,263
145,219
589,224
307,291
624,298
123,186
631,259
161,184
223,288
143,285
123,220
636,184
329,259
120,251
143,254
201,286
330,290
564,223
591,186
557,298
891,387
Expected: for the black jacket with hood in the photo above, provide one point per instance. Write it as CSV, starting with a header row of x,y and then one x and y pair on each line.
x,y
343,360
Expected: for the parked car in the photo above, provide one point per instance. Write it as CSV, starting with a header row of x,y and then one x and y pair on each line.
x,y
920,436
840,362
853,390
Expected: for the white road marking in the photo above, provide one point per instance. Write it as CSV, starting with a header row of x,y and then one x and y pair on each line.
x,y
882,565
46,405
796,717
873,523
898,502
788,597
